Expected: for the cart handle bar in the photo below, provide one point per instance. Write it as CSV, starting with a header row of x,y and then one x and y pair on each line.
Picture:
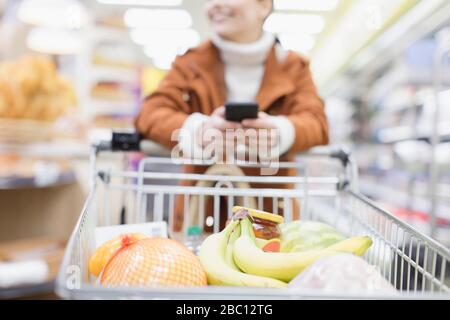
x,y
134,142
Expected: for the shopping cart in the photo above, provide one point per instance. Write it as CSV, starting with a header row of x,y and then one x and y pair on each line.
x,y
326,188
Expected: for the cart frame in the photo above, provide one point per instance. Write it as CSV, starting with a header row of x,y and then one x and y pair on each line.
x,y
411,261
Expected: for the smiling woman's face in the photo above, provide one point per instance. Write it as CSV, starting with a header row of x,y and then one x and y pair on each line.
x,y
238,20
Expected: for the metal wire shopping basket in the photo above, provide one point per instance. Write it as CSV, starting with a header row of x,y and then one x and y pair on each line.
x,y
326,188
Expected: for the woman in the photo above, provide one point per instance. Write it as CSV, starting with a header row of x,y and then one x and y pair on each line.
x,y
241,63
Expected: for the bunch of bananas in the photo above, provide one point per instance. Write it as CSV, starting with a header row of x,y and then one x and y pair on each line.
x,y
233,258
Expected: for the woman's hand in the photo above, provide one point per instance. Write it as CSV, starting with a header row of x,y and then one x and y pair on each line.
x,y
267,134
264,121
216,127
219,122
270,135
275,135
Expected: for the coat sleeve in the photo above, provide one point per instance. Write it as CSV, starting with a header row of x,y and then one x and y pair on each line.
x,y
307,111
165,110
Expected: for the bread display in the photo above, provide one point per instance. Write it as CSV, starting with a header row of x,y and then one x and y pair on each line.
x,y
31,88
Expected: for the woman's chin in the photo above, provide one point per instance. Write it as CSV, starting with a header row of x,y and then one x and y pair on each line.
x,y
225,33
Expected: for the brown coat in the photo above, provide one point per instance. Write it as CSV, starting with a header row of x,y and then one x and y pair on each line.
x,y
196,83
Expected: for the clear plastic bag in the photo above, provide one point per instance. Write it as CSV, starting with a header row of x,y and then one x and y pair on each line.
x,y
343,274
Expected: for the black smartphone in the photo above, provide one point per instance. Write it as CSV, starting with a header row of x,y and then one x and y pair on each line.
x,y
238,111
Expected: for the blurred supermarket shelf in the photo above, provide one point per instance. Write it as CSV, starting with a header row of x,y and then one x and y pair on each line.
x,y
74,149
402,75
45,290
413,210
398,197
108,107
53,149
107,73
326,211
40,181
107,33
401,179
387,51
407,133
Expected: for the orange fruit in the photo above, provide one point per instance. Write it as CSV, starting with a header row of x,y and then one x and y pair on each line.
x,y
273,245
154,262
103,253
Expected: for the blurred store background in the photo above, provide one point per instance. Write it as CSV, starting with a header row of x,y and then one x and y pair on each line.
x,y
72,70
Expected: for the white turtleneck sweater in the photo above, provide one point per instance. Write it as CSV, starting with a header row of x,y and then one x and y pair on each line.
x,y
244,71
244,66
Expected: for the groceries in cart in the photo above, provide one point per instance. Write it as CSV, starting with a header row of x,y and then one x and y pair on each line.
x,y
232,257
136,260
266,227
302,235
255,249
106,251
154,262
343,273
273,235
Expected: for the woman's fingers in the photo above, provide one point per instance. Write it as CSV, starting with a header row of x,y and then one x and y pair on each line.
x,y
219,112
221,124
226,125
258,124
250,133
218,120
263,141
263,121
